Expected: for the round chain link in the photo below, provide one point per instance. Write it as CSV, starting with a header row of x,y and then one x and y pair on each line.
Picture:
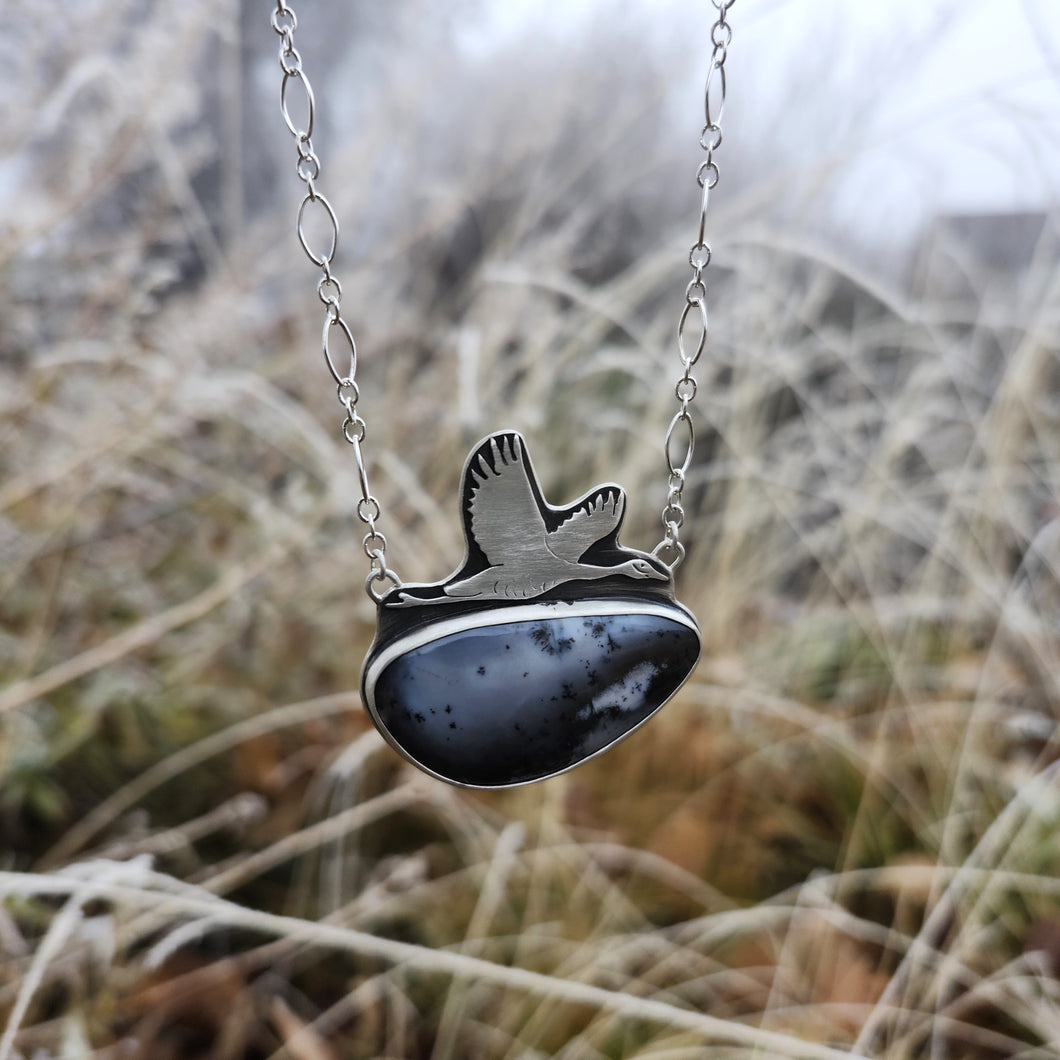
x,y
284,23
692,323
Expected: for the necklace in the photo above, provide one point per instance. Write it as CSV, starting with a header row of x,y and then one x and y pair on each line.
x,y
551,641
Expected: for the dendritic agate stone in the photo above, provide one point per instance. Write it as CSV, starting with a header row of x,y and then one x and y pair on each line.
x,y
517,694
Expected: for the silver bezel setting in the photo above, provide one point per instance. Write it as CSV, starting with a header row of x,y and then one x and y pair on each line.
x,y
506,615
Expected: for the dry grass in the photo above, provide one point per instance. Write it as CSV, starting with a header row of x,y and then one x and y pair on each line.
x,y
840,840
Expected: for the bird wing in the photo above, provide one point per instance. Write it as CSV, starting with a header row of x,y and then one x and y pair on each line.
x,y
588,521
505,517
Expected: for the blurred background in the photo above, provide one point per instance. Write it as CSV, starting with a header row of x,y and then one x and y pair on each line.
x,y
840,838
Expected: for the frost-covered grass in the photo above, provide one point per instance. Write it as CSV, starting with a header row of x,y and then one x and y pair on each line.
x,y
838,840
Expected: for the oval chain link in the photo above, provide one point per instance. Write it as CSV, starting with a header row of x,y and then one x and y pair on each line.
x,y
692,323
284,23
680,434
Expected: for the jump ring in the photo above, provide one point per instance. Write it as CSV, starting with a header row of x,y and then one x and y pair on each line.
x,y
349,394
380,576
360,427
685,391
715,138
308,170
281,24
368,509
696,293
699,256
374,544
674,515
329,281
706,176
290,60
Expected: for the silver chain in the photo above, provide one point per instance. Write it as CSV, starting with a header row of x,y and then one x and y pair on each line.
x,y
329,291
681,432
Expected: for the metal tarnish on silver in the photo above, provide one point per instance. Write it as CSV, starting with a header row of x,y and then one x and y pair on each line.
x,y
518,546
550,643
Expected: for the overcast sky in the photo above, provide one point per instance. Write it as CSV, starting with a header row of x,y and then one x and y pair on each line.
x,y
961,97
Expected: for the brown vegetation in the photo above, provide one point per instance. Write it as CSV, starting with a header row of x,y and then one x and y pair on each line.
x,y
839,840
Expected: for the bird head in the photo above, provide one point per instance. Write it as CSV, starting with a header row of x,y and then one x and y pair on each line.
x,y
644,567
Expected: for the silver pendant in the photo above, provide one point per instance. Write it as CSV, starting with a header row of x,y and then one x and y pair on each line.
x,y
548,645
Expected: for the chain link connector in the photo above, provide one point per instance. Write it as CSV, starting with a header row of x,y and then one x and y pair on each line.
x,y
368,509
331,322
359,427
686,388
374,543
349,394
378,576
284,22
690,442
671,545
329,290
715,92
707,175
314,196
699,256
700,306
290,58
299,76
670,550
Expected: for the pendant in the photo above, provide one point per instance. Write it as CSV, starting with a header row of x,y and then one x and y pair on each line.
x,y
548,645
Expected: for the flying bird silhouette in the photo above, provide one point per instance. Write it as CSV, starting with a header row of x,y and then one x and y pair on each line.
x,y
505,520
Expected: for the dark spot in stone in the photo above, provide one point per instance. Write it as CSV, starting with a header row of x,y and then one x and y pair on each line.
x,y
481,671
507,647
448,709
543,639
420,717
452,725
526,673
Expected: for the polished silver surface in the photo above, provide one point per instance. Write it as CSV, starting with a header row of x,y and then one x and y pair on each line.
x,y
537,566
565,560
284,23
518,546
692,324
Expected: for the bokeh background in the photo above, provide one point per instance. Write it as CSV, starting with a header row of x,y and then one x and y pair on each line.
x,y
841,837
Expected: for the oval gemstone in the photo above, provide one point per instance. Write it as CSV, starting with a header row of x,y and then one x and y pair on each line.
x,y
514,695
